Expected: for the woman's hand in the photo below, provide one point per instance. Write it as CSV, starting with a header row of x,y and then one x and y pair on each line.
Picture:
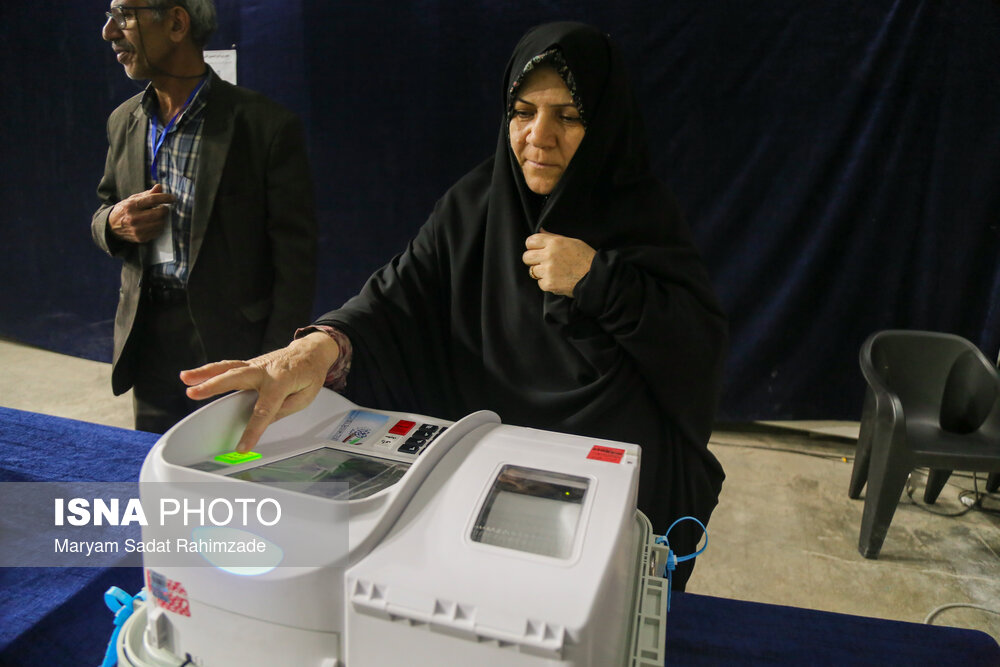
x,y
286,381
557,262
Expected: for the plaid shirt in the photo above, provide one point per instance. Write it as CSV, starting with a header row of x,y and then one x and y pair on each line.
x,y
177,168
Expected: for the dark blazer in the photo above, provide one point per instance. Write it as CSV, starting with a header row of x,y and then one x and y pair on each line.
x,y
253,236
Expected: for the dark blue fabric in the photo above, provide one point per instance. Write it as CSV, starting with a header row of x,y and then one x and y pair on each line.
x,y
837,159
704,630
57,617
41,448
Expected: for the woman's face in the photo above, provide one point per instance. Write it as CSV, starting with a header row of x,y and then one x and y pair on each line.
x,y
545,129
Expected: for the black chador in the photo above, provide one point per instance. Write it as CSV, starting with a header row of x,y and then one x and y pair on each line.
x,y
455,323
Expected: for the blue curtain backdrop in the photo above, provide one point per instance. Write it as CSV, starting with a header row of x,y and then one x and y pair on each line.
x,y
839,161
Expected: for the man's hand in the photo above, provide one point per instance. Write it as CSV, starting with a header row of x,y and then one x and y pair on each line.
x,y
286,381
141,217
557,262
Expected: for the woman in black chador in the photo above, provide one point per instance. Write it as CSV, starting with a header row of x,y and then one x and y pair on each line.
x,y
554,284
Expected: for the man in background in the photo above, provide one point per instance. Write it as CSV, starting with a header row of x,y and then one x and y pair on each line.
x,y
207,200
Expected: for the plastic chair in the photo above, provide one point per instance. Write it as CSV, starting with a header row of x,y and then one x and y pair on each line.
x,y
931,401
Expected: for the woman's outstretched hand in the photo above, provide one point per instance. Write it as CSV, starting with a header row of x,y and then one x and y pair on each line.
x,y
286,381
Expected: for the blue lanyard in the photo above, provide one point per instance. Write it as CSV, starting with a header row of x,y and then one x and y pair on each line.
x,y
154,126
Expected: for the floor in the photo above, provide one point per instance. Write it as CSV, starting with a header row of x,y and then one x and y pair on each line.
x,y
785,531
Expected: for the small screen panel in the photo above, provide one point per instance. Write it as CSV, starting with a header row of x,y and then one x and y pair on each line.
x,y
364,475
530,510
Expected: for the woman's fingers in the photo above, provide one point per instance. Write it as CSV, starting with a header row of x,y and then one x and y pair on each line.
x,y
280,395
269,400
531,257
286,380
197,375
211,382
557,262
536,241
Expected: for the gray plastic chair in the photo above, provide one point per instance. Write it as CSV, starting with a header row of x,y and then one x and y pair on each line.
x,y
931,401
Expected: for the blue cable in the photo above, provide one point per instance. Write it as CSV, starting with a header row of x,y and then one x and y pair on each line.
x,y
673,559
120,604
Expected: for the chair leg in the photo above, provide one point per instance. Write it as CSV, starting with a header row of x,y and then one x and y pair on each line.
x,y
888,469
993,482
936,479
863,451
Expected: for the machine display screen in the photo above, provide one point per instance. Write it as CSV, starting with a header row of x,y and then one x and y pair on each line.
x,y
530,510
364,475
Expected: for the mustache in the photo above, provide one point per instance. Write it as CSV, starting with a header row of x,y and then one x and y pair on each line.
x,y
122,45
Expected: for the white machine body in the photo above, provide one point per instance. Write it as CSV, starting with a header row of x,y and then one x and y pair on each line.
x,y
470,542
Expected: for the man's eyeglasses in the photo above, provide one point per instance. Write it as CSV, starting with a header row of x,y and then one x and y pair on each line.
x,y
122,14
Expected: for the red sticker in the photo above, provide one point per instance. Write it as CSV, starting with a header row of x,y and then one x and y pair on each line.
x,y
609,454
168,593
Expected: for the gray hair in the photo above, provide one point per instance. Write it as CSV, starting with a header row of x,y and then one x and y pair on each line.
x,y
202,13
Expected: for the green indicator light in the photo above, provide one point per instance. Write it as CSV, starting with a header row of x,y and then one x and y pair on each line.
x,y
233,458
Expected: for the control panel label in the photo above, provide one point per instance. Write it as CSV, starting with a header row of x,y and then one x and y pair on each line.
x,y
358,425
609,454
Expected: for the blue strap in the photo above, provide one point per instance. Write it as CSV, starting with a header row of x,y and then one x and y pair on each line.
x,y
673,559
157,138
120,604
703,529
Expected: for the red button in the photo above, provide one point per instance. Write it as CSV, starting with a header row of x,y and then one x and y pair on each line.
x,y
402,427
